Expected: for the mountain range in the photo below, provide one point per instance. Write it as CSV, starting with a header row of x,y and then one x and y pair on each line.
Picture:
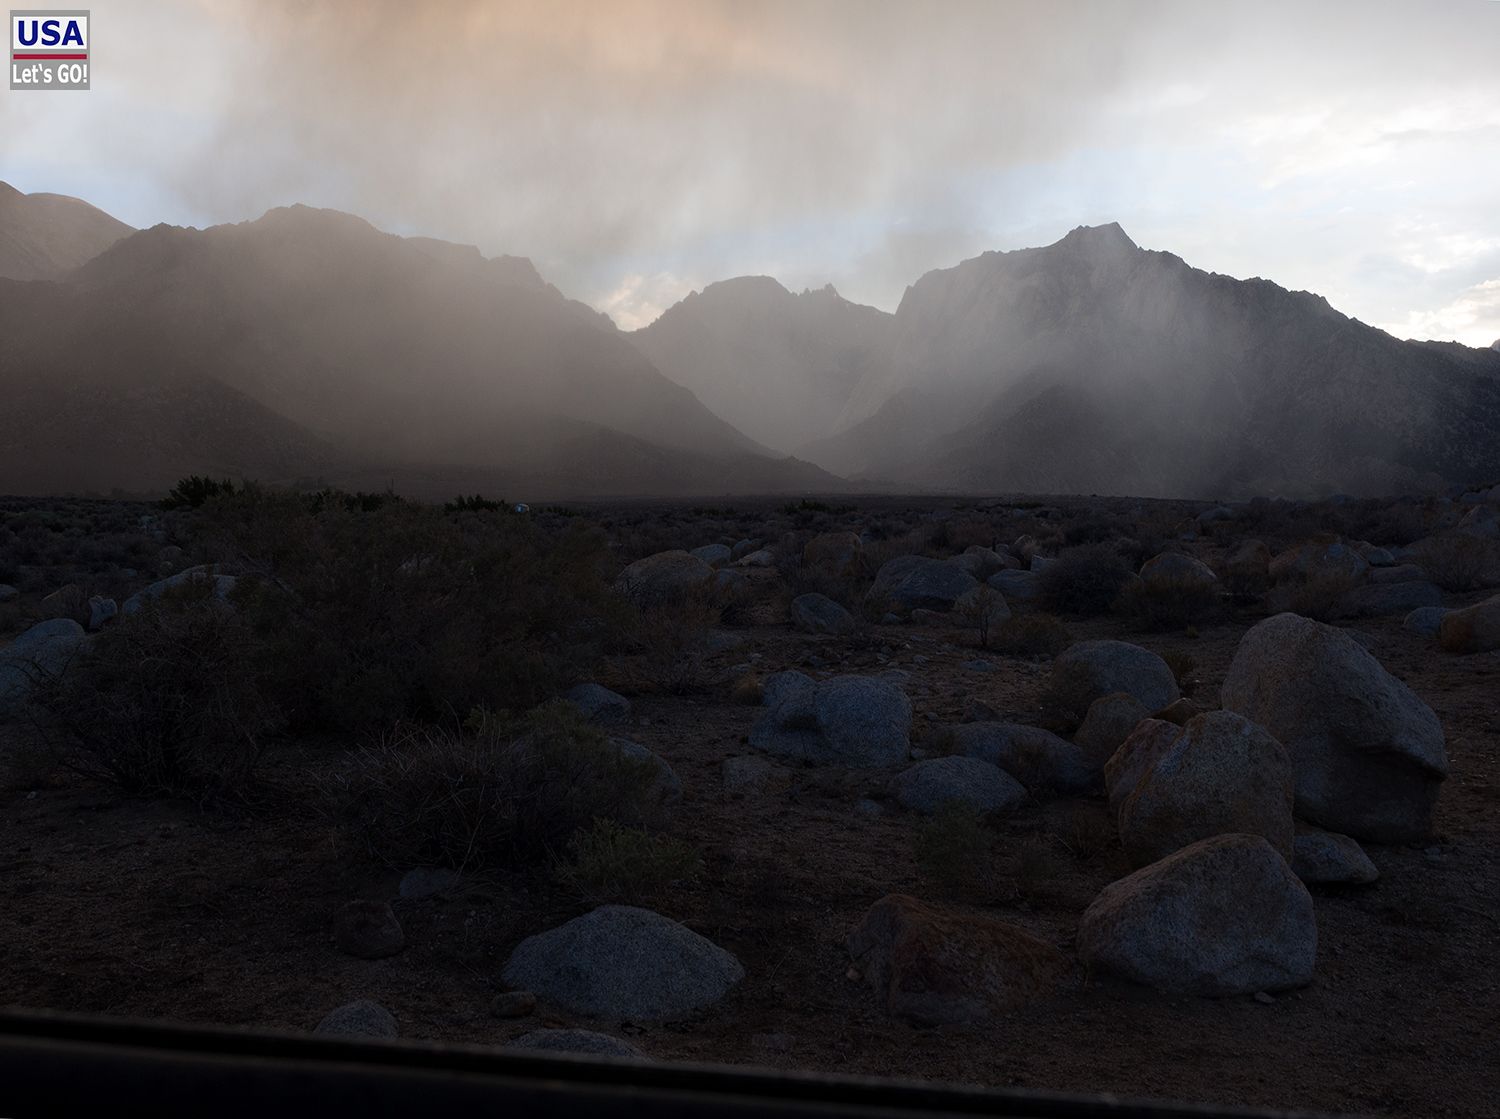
x,y
308,347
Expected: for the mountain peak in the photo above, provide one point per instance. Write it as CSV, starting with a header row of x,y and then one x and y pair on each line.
x,y
6,190
1099,238
1495,345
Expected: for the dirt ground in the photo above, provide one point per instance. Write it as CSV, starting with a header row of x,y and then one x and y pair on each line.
x,y
124,907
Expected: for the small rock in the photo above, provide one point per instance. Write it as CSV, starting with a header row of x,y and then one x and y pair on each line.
x,y
576,1041
1326,858
512,1004
425,881
1425,621
368,930
362,1018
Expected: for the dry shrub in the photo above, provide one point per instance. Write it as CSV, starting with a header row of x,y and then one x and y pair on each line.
x,y
1318,596
165,702
1457,635
608,863
670,641
1030,635
1162,604
748,690
1183,665
955,851
1085,580
1033,865
1087,832
373,615
1459,562
500,793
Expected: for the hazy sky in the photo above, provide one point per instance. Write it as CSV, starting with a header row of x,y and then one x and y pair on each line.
x,y
637,149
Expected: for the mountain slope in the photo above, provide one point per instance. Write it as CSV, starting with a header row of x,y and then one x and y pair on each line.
x,y
382,355
778,366
1092,365
45,236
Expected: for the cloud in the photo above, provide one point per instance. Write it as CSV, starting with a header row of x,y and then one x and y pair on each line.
x,y
639,300
621,143
1473,318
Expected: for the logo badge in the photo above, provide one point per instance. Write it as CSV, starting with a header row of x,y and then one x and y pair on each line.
x,y
49,50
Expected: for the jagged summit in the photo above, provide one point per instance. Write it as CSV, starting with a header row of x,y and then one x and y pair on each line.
x,y
1098,237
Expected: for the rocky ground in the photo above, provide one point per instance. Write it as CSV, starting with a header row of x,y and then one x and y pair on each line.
x,y
165,908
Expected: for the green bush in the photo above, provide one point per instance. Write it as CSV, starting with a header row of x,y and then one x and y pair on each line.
x,y
608,862
1030,635
474,504
371,616
165,702
501,793
1084,580
193,491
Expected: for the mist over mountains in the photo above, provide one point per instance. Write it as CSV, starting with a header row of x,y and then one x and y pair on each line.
x,y
307,346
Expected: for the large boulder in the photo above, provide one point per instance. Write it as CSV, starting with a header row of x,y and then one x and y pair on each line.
x,y
71,601
1221,775
920,583
40,654
838,553
663,578
1398,573
817,613
206,575
930,785
982,562
940,968
1171,571
1376,600
1016,586
1367,755
1111,719
1473,629
715,555
1137,756
1088,670
1037,758
849,720
623,962
1318,559
1225,916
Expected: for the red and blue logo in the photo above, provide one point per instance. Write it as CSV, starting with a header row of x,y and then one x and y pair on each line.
x,y
49,50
